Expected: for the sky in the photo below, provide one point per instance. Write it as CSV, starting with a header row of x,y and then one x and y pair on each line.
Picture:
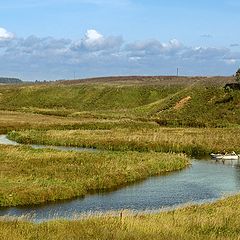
x,y
63,39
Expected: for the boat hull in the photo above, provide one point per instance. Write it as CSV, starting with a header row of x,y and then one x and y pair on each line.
x,y
230,157
224,157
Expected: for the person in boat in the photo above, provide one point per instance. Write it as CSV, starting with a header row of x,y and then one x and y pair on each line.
x,y
224,152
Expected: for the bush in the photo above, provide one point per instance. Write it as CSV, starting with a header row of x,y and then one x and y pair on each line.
x,y
237,76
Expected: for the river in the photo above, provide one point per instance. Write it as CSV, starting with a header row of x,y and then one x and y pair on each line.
x,y
203,181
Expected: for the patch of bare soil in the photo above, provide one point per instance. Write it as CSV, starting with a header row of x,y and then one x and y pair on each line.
x,y
179,105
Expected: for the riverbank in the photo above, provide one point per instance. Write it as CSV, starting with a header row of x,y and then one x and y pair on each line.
x,y
34,176
218,220
192,141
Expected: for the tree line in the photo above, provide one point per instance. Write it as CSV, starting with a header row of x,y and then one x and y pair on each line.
x,y
10,80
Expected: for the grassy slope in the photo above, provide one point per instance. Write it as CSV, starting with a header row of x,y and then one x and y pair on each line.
x,y
144,98
83,97
214,221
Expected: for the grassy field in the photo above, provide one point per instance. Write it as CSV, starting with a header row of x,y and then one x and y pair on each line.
x,y
192,141
13,120
30,176
210,221
141,117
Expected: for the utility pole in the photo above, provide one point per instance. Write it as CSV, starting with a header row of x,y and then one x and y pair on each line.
x,y
177,72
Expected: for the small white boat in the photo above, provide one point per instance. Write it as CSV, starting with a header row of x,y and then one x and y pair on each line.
x,y
227,156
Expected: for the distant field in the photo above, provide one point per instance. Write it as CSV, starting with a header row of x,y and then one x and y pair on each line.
x,y
13,120
152,80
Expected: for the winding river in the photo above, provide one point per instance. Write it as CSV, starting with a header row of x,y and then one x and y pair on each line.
x,y
203,181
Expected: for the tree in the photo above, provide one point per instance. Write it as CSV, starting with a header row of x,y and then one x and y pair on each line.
x,y
237,76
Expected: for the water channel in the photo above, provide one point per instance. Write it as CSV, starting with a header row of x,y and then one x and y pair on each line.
x,y
203,181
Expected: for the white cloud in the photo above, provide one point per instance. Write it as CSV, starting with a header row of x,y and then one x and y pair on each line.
x,y
94,41
206,53
5,35
154,47
96,54
93,38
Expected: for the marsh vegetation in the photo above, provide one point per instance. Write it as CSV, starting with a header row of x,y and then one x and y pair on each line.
x,y
192,141
210,221
149,122
33,176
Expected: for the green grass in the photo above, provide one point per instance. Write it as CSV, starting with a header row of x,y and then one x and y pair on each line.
x,y
148,99
29,176
192,141
67,99
218,220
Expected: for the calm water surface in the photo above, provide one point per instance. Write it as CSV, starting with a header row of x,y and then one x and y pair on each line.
x,y
203,181
5,141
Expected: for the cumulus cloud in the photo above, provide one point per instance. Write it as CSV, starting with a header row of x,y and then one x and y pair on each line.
x,y
96,54
5,35
94,41
205,53
154,47
93,37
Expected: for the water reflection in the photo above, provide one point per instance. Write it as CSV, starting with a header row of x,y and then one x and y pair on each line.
x,y
205,180
5,141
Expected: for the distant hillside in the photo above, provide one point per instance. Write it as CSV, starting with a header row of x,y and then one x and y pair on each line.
x,y
10,80
169,101
151,80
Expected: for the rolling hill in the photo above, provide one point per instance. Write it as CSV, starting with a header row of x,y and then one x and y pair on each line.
x,y
170,101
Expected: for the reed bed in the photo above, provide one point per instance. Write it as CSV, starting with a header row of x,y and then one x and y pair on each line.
x,y
33,176
192,141
218,220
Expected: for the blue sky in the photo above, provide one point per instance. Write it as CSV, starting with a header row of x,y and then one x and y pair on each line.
x,y
52,39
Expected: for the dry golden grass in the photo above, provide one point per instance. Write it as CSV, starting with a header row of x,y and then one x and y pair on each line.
x,y
207,222
193,141
13,120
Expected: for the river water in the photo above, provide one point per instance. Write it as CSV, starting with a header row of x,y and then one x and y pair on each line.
x,y
203,181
